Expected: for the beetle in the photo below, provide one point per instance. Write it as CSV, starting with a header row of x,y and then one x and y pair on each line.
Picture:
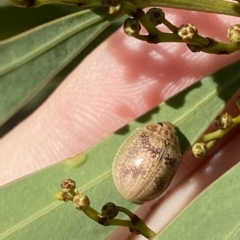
x,y
146,162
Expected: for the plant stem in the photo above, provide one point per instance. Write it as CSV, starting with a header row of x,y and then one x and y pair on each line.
x,y
138,224
170,26
219,133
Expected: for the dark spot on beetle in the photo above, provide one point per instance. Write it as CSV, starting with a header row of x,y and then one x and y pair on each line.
x,y
170,161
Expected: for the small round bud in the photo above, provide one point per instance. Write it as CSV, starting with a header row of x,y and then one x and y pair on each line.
x,y
109,210
131,27
234,33
199,150
223,121
81,201
63,196
187,32
238,102
156,15
68,185
59,196
114,5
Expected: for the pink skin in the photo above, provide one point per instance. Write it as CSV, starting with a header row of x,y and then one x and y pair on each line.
x,y
121,80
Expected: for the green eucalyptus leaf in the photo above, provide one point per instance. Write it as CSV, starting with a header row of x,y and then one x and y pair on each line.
x,y
14,20
31,59
28,207
214,214
220,7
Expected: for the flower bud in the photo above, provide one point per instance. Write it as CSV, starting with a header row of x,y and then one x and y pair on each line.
x,y
156,15
114,5
131,27
81,201
68,185
109,210
199,150
187,32
63,196
223,121
234,33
